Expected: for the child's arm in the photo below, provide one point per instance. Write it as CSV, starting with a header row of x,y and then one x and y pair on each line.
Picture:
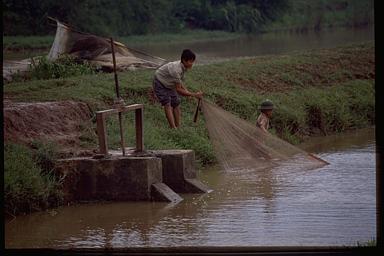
x,y
263,128
183,91
261,123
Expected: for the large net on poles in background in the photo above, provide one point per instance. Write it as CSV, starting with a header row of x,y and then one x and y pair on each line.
x,y
94,49
240,145
97,50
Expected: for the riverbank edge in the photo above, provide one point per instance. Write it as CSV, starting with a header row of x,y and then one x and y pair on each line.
x,y
18,43
31,43
355,95
54,200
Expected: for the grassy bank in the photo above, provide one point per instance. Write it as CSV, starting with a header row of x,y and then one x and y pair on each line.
x,y
330,89
315,92
29,183
27,42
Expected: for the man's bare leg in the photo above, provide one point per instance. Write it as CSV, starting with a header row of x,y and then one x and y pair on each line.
x,y
177,115
169,115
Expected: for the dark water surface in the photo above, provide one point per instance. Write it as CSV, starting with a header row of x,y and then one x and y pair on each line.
x,y
244,46
256,45
333,205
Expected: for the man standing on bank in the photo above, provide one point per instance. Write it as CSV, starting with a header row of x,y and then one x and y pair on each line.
x,y
168,85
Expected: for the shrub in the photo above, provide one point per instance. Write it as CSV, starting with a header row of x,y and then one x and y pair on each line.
x,y
65,66
26,186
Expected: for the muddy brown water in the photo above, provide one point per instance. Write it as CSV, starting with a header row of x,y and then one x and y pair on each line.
x,y
263,44
243,46
332,205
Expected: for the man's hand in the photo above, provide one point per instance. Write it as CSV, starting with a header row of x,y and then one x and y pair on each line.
x,y
198,94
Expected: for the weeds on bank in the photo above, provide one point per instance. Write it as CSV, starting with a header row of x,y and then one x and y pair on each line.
x,y
370,243
64,66
314,108
29,183
27,42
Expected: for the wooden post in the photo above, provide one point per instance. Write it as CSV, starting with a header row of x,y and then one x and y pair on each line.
x,y
102,129
118,98
102,133
139,129
197,111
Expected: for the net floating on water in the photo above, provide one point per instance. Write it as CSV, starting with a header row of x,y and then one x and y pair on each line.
x,y
240,145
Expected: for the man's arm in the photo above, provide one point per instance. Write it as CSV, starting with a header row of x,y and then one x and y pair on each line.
x,y
184,92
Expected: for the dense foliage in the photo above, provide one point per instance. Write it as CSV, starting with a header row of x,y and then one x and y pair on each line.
x,y
123,17
313,95
29,183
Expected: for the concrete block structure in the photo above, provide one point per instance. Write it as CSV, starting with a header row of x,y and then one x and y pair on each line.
x,y
179,171
154,175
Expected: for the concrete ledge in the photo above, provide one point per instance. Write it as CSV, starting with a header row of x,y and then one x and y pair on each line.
x,y
196,186
115,178
161,192
179,171
150,175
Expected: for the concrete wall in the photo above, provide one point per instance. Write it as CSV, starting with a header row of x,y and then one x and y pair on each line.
x,y
128,178
152,176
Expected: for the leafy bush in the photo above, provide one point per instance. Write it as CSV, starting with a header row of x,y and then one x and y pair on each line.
x,y
65,66
26,186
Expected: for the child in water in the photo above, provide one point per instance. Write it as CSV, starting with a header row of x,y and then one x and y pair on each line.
x,y
266,109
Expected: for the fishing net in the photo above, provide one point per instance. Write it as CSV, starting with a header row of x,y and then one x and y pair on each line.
x,y
82,46
97,50
240,145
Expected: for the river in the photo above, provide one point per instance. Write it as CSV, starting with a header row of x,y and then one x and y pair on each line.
x,y
244,46
262,44
332,205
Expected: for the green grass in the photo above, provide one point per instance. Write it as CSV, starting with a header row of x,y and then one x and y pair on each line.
x,y
309,89
370,243
27,42
311,100
65,66
29,184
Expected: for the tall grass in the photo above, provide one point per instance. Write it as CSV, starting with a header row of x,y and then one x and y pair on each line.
x,y
28,185
27,42
312,103
316,105
64,66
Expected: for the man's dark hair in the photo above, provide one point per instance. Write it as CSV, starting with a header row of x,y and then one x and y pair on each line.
x,y
188,55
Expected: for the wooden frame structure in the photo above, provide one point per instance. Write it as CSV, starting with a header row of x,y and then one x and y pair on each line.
x,y
102,128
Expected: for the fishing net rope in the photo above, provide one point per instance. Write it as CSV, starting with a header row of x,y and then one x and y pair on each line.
x,y
94,49
240,145
97,50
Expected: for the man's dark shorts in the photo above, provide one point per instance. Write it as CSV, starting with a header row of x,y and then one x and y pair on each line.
x,y
165,95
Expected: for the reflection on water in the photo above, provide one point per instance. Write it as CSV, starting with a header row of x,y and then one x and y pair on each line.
x,y
333,205
244,46
255,45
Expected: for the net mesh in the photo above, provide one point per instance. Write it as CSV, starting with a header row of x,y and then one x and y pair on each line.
x,y
240,145
97,50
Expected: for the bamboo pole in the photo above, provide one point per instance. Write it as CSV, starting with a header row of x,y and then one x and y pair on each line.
x,y
197,111
118,98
